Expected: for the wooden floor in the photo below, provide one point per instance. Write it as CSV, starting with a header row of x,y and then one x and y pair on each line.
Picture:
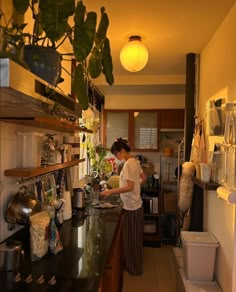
x,y
159,273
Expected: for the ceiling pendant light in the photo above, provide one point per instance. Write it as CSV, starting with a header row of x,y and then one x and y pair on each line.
x,y
134,55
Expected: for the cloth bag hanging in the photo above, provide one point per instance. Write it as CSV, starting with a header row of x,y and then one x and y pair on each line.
x,y
202,147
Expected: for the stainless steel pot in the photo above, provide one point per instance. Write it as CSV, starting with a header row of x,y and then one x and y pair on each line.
x,y
21,207
11,255
78,198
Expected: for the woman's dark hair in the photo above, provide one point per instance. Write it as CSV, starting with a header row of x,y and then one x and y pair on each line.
x,y
120,144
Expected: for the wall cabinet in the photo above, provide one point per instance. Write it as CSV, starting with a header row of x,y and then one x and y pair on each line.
x,y
141,127
116,124
171,119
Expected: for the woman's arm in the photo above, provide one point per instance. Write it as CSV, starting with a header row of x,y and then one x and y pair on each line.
x,y
143,178
128,188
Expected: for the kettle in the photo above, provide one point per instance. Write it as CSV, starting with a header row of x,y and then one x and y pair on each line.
x,y
21,206
78,198
11,255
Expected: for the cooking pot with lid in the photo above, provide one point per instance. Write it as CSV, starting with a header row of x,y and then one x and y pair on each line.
x,y
78,198
11,255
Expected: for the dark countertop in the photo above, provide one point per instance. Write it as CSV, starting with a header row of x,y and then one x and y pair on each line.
x,y
80,265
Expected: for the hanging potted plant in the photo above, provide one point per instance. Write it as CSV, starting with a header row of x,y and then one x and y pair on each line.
x,y
88,39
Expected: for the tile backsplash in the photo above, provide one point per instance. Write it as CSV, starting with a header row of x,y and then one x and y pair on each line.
x,y
8,157
8,160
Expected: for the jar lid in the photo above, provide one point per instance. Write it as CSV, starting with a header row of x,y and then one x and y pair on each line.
x,y
198,237
10,245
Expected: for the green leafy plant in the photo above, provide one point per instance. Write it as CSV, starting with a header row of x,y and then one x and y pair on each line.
x,y
96,155
52,27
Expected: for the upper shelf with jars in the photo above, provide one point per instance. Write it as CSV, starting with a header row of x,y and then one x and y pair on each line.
x,y
37,171
39,154
48,123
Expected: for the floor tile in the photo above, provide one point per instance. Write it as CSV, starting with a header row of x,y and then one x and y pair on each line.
x,y
166,281
158,273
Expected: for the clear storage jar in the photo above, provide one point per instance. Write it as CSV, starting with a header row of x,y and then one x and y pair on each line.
x,y
29,149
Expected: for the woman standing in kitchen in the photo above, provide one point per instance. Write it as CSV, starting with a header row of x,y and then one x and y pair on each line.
x,y
131,178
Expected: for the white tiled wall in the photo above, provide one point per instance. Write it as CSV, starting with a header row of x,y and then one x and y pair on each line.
x,y
8,160
7,184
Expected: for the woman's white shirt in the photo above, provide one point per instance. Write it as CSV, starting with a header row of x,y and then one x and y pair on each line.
x,y
131,171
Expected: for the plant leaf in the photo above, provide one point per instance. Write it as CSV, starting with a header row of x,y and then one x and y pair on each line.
x,y
94,65
102,28
79,86
84,32
54,16
21,5
107,62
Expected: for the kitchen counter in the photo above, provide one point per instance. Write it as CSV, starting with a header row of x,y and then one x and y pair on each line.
x,y
80,265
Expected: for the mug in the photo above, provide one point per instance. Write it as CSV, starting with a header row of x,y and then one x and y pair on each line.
x,y
205,170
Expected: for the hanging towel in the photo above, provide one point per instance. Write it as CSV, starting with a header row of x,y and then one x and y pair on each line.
x,y
195,145
62,182
215,120
202,146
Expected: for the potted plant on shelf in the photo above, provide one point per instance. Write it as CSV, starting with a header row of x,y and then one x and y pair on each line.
x,y
51,28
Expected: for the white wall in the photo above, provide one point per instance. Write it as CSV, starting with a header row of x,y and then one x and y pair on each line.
x,y
218,79
144,101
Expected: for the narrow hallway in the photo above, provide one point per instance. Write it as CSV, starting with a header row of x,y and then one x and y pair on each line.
x,y
159,274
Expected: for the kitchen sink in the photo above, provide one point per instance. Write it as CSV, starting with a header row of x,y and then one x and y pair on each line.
x,y
114,199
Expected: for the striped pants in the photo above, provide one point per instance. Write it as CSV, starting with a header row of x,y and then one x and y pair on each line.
x,y
133,241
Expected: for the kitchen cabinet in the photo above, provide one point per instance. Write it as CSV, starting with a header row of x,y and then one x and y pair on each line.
x,y
141,127
172,119
145,130
90,244
112,280
116,125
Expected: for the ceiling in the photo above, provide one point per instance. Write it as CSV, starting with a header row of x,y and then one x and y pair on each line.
x,y
169,28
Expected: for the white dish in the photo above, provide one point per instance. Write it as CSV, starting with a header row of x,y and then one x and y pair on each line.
x,y
105,206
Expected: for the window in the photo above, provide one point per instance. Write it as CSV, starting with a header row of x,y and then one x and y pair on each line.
x,y
117,125
139,127
145,124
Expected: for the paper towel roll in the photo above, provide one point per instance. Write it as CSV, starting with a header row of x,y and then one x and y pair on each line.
x,y
227,195
67,211
74,174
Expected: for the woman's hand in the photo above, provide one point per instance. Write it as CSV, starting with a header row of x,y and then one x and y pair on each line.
x,y
105,193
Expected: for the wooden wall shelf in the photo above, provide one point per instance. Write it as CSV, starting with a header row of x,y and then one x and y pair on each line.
x,y
31,172
47,123
212,186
